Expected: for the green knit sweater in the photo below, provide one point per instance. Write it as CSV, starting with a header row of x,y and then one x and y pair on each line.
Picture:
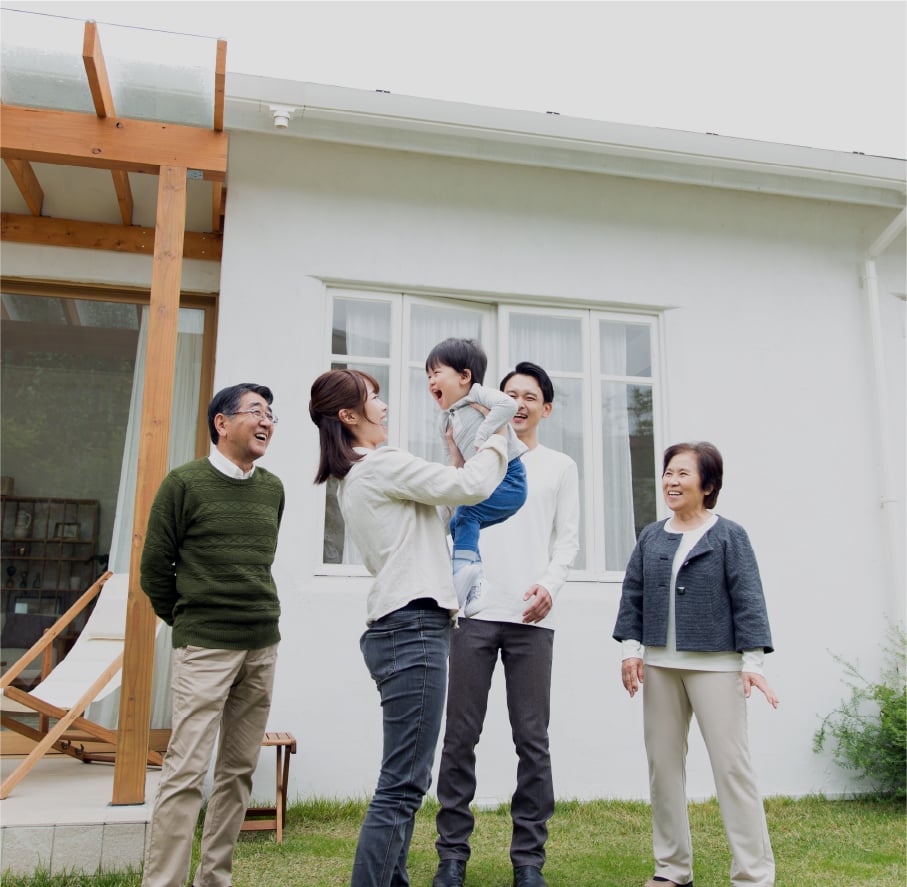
x,y
206,564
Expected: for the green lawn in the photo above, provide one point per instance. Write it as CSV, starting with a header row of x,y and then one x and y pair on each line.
x,y
595,844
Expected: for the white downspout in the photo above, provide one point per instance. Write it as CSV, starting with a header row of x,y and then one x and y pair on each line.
x,y
889,496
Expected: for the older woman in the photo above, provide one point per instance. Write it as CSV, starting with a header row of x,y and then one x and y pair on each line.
x,y
389,498
692,623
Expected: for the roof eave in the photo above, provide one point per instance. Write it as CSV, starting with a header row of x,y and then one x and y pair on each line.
x,y
452,129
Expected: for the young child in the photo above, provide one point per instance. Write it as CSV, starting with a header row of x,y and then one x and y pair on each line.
x,y
456,371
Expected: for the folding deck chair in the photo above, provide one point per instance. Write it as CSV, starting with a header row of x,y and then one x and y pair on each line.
x,y
89,672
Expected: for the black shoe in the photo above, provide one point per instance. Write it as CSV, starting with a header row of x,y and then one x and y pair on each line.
x,y
451,873
528,876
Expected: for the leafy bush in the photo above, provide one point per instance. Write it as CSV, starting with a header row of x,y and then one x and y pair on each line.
x,y
870,728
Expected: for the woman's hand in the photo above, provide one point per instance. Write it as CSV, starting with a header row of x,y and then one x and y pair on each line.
x,y
456,457
632,673
751,679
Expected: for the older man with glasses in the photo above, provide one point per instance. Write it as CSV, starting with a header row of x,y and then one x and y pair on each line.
x,y
206,567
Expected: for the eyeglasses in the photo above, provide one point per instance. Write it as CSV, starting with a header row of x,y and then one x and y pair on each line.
x,y
258,415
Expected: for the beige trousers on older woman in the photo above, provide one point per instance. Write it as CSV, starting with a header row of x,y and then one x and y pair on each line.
x,y
670,697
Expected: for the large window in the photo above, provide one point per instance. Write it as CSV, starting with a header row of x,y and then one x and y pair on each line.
x,y
73,366
606,385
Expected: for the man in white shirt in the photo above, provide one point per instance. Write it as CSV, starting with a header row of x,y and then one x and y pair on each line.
x,y
527,559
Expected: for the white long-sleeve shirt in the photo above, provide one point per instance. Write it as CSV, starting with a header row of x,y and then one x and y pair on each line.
x,y
538,544
389,504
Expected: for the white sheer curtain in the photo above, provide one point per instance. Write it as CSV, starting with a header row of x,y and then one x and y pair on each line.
x,y
366,325
430,325
187,378
620,536
556,344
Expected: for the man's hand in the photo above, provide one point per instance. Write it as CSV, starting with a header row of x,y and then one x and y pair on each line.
x,y
540,607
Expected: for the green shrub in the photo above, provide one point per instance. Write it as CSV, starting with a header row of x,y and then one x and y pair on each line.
x,y
870,729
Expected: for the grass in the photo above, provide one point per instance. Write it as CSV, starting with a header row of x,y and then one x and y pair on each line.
x,y
856,843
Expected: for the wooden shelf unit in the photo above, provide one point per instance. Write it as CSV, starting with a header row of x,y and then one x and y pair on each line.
x,y
48,552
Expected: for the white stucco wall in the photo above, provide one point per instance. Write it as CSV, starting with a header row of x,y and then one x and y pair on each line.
x,y
766,354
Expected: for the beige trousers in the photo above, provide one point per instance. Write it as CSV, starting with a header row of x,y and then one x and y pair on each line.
x,y
670,697
213,690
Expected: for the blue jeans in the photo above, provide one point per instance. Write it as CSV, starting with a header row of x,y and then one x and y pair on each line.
x,y
406,654
506,500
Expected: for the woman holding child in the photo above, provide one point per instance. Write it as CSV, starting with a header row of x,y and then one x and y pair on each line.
x,y
389,500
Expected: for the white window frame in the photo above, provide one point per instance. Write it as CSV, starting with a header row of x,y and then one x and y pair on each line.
x,y
496,316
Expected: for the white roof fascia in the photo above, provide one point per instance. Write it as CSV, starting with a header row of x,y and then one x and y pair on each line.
x,y
452,129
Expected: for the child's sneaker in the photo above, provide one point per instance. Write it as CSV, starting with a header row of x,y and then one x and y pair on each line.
x,y
464,580
477,597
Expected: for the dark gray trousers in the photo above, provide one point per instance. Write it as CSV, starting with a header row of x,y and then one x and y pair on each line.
x,y
526,653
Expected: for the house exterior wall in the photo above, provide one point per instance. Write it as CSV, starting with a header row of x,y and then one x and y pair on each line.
x,y
765,352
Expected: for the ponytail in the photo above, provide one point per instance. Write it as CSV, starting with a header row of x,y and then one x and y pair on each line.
x,y
332,392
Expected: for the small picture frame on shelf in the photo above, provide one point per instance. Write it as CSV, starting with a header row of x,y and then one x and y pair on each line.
x,y
63,530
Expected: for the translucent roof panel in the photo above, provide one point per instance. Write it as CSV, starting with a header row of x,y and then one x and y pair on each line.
x,y
153,75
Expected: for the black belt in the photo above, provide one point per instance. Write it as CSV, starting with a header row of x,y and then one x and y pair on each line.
x,y
424,603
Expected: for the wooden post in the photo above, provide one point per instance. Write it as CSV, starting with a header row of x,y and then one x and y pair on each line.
x,y
157,401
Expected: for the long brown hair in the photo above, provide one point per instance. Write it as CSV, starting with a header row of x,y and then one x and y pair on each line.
x,y
332,392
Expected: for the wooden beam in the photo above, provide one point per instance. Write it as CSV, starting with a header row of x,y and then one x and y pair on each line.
x,y
17,228
217,208
71,312
27,183
99,85
220,85
124,194
96,70
73,139
157,402
206,381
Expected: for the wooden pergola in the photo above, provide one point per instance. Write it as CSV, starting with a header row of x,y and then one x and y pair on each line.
x,y
172,152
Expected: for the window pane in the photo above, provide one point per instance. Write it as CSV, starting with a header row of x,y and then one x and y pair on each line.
x,y
424,419
378,372
625,349
361,328
338,548
628,457
79,365
563,430
554,343
430,324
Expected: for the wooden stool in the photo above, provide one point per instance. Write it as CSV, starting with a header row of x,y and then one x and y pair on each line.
x,y
274,817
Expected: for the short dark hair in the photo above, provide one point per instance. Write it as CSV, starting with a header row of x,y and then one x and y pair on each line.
x,y
526,368
332,392
459,355
227,400
709,463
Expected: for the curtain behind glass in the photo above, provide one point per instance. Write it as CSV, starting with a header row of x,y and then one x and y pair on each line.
x,y
556,345
187,380
360,329
618,472
429,325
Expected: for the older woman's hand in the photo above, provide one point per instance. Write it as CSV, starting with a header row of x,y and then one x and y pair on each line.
x,y
751,679
632,673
